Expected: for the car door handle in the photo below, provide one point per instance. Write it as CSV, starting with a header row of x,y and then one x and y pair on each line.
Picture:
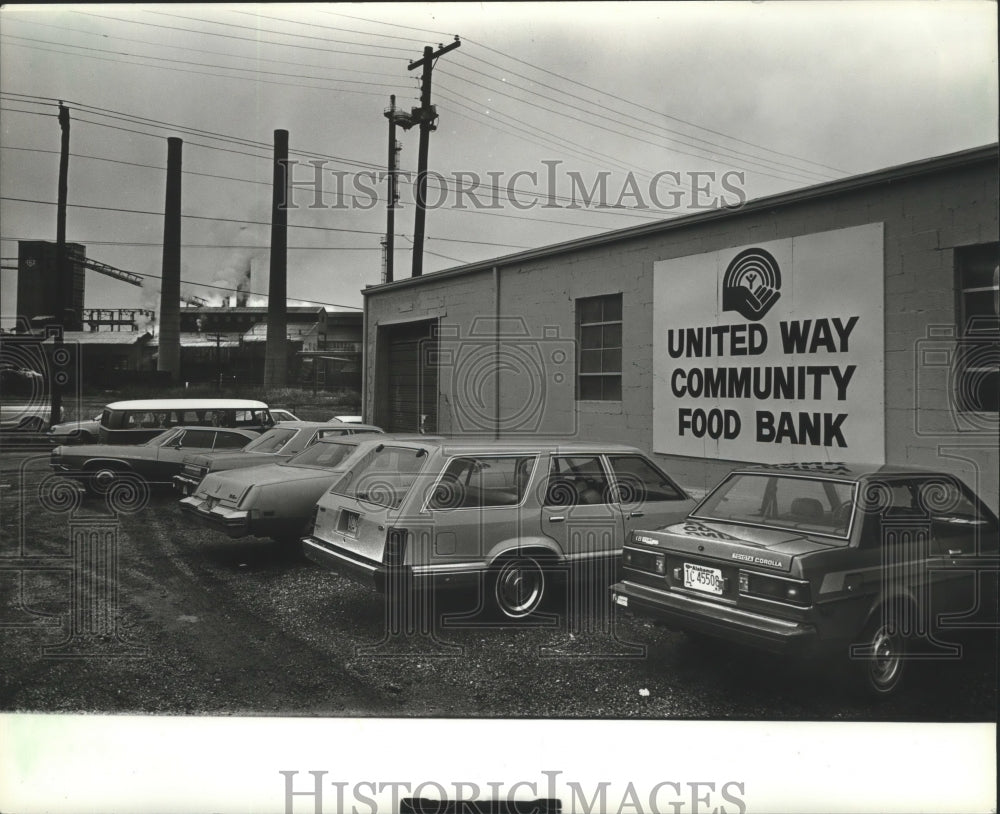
x,y
557,518
635,514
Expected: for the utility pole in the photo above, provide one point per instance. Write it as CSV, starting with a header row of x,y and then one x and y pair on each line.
x,y
404,120
64,285
427,118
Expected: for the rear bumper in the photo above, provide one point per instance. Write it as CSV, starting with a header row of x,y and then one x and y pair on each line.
x,y
186,484
235,522
360,569
380,577
725,622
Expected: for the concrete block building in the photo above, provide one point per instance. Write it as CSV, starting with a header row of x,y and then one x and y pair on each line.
x,y
853,321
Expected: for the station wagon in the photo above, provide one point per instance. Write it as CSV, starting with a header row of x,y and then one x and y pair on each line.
x,y
503,516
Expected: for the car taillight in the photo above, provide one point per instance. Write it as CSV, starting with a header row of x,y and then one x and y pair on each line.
x,y
795,592
645,561
395,546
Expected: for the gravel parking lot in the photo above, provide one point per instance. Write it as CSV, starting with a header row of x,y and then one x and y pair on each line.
x,y
181,620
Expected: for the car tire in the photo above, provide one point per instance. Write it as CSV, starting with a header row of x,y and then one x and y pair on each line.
x,y
879,667
518,586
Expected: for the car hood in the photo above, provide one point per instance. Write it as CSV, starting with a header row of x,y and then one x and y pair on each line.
x,y
773,548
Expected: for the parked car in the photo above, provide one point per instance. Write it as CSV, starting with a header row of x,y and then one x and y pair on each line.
x,y
83,431
132,422
156,461
857,562
276,445
348,419
273,500
505,515
281,414
17,416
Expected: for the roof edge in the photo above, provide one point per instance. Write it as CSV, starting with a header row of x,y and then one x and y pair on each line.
x,y
924,166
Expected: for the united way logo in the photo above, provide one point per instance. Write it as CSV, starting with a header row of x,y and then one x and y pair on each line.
x,y
752,284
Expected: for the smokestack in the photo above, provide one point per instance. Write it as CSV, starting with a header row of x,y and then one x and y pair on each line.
x,y
275,355
170,287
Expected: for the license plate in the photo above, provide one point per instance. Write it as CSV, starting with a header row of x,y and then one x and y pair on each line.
x,y
699,578
351,523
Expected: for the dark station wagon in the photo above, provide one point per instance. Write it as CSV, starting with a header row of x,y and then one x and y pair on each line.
x,y
870,564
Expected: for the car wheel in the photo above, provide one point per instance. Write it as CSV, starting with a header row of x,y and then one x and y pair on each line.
x,y
879,666
101,479
518,587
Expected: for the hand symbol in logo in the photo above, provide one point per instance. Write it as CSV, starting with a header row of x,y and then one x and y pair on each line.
x,y
741,291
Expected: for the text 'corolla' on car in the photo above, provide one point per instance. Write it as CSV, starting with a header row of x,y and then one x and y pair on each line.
x,y
872,565
156,461
504,517
276,445
273,500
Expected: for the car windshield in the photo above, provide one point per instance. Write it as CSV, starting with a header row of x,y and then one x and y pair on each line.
x,y
383,476
811,505
271,441
328,455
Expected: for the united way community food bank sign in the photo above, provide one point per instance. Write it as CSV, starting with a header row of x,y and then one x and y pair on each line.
x,y
772,352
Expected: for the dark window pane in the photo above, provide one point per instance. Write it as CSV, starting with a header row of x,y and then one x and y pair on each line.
x,y
590,387
590,337
613,336
612,307
590,361
589,310
611,361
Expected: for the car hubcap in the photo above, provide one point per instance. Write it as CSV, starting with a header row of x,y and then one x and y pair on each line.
x,y
886,658
519,588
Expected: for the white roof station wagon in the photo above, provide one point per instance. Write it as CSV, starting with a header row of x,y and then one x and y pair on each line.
x,y
507,514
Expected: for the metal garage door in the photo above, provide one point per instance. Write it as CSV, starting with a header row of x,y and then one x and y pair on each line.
x,y
410,384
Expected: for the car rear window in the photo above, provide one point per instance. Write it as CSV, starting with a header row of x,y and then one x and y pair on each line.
x,y
383,476
328,455
271,441
779,501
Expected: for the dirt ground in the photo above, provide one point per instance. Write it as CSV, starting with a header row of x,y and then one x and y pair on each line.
x,y
134,608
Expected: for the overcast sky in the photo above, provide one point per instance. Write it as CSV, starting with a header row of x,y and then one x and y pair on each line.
x,y
755,97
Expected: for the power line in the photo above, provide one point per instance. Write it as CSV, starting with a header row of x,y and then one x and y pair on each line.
x,y
255,57
257,41
186,70
711,145
615,96
253,222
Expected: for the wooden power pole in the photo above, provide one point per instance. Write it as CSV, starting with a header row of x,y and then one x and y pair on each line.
x,y
427,119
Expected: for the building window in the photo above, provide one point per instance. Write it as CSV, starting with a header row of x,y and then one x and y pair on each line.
x,y
599,344
977,361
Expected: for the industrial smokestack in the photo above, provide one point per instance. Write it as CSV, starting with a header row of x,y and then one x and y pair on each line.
x,y
276,355
170,287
